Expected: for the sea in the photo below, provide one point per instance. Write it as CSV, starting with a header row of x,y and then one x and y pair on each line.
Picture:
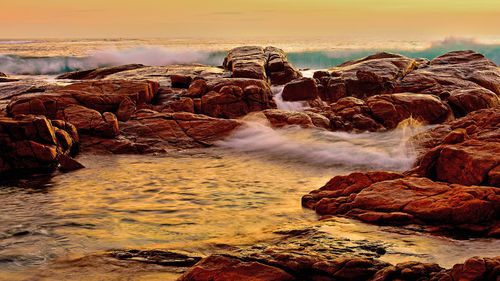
x,y
234,195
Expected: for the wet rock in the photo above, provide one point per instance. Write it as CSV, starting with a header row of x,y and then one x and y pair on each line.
x,y
160,257
465,151
392,109
98,73
68,164
30,142
180,81
150,131
279,69
218,267
300,89
387,198
280,118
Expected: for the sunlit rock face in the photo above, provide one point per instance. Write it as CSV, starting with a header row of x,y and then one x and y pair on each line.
x,y
268,64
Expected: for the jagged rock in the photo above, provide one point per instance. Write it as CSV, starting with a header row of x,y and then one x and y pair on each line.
x,y
89,121
280,118
98,73
469,156
392,109
32,142
69,164
236,97
150,131
300,89
257,62
373,75
389,198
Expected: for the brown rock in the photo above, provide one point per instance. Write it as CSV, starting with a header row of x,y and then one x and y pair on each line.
x,y
228,268
98,73
197,89
280,118
300,89
464,101
89,121
69,164
180,81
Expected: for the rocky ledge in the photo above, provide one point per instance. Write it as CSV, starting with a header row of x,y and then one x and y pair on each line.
x,y
454,187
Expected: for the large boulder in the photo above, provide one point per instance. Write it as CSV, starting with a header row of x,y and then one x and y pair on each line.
x,y
236,97
392,109
388,198
102,96
257,63
33,142
150,131
373,75
300,90
465,101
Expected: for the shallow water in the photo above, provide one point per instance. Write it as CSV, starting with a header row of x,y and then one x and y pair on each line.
x,y
237,193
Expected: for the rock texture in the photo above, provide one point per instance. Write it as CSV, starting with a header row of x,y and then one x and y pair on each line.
x,y
34,142
255,62
288,267
98,73
300,89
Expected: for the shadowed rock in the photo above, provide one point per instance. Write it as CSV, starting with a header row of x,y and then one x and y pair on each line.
x,y
97,73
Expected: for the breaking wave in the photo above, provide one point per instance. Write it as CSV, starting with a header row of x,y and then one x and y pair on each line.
x,y
156,55
380,151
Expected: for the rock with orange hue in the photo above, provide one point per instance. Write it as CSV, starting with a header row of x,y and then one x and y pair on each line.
x,y
257,62
464,101
102,96
452,71
89,121
465,151
150,131
300,89
279,69
236,97
218,267
182,105
392,109
197,88
280,118
98,73
373,75
390,198
32,142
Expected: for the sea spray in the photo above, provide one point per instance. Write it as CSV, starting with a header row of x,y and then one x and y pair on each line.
x,y
378,151
287,105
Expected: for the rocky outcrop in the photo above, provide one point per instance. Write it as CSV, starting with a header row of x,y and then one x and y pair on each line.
x,y
288,267
103,96
376,198
465,151
389,110
236,97
98,73
150,131
300,90
255,62
33,142
373,75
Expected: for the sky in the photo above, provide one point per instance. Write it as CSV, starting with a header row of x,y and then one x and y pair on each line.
x,y
237,18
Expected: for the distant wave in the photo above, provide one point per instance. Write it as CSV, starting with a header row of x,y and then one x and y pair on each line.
x,y
8,42
154,56
328,59
14,64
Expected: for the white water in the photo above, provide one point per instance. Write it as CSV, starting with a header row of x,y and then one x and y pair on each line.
x,y
383,151
287,105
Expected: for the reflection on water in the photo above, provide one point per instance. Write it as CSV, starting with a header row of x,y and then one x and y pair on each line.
x,y
237,193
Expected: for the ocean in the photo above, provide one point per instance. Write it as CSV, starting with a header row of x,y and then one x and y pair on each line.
x,y
56,56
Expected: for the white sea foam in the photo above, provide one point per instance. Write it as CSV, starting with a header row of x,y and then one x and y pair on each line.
x,y
154,56
386,150
287,105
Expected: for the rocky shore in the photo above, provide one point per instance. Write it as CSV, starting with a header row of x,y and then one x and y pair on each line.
x,y
453,189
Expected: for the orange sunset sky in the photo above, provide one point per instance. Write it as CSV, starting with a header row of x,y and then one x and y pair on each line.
x,y
236,18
